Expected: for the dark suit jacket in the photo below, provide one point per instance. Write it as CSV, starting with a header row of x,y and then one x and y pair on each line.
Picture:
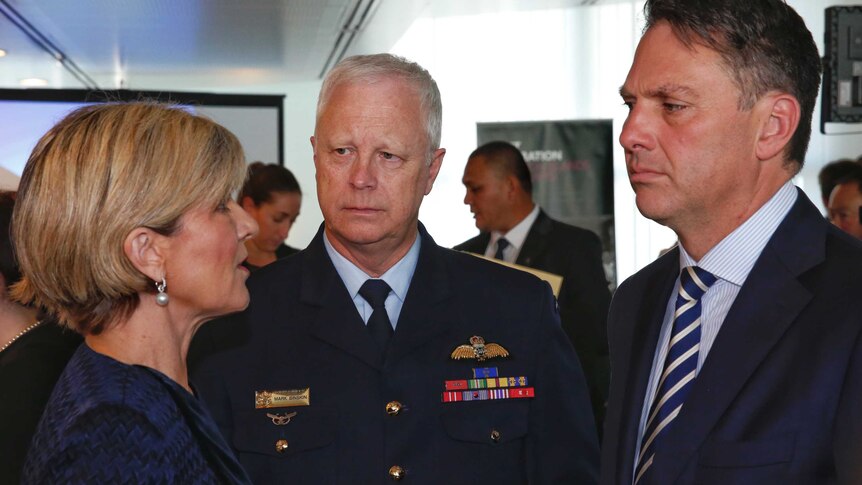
x,y
29,368
779,398
576,255
302,331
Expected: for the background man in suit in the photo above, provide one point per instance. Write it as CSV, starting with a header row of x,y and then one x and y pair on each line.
x,y
499,193
737,356
398,383
845,203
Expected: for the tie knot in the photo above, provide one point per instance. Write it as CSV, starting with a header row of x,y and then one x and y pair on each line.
x,y
375,292
694,282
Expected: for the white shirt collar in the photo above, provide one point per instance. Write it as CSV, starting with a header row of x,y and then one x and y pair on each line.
x,y
735,255
518,234
398,277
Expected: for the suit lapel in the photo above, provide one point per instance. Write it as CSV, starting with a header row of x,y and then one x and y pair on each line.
x,y
336,322
640,351
423,314
537,239
476,245
768,303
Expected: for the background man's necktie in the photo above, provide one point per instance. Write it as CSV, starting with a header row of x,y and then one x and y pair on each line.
x,y
502,244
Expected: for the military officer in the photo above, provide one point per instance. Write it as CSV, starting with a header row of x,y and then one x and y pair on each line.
x,y
375,354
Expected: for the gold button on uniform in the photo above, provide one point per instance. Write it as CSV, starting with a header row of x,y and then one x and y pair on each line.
x,y
396,472
281,446
393,408
495,435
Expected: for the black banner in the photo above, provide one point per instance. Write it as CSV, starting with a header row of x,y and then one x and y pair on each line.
x,y
571,163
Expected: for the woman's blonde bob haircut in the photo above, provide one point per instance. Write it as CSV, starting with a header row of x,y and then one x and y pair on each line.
x,y
101,172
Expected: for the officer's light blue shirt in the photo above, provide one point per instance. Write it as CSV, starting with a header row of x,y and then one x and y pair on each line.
x,y
398,278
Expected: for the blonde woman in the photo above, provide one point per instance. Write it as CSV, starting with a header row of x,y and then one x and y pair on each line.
x,y
126,229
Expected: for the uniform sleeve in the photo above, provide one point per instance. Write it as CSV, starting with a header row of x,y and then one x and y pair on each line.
x,y
562,445
584,302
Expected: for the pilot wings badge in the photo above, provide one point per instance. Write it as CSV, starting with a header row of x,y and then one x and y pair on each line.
x,y
479,350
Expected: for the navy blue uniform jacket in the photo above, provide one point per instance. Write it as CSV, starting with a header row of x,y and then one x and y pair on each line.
x,y
779,398
302,330
576,255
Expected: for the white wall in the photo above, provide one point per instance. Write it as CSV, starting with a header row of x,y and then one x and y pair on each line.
x,y
556,64
299,109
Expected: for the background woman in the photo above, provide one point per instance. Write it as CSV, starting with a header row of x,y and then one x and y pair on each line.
x,y
272,196
125,228
33,353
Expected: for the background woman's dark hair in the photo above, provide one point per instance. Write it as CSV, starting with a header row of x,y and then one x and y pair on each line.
x,y
8,263
265,179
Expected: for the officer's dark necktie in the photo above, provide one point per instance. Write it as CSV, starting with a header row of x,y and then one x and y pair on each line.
x,y
375,293
680,366
502,244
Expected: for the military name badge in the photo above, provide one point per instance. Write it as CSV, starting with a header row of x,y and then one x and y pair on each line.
x,y
282,399
479,350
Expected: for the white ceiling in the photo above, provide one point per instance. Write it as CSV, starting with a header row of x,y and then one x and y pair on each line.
x,y
162,44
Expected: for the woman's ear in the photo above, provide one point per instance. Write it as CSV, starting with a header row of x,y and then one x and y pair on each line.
x,y
145,249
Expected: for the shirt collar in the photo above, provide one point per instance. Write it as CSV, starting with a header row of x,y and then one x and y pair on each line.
x,y
734,256
398,277
518,234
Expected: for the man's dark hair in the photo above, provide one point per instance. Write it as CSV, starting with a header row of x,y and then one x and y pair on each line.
x,y
853,175
8,263
765,46
506,159
832,172
266,179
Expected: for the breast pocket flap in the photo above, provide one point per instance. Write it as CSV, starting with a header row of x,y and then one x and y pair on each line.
x,y
275,432
747,453
486,424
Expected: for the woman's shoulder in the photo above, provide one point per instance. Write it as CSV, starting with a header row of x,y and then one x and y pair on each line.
x,y
114,443
114,415
93,383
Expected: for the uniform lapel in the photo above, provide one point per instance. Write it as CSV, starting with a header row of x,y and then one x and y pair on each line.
x,y
424,313
336,322
768,303
478,244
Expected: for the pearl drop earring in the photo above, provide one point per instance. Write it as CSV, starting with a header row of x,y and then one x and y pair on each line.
x,y
162,297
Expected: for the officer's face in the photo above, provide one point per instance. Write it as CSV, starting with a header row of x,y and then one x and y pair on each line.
x,y
373,169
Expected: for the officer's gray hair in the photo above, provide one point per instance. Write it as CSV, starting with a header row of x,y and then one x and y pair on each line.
x,y
367,68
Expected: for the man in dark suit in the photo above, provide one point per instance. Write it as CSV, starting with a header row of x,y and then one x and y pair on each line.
x,y
499,193
737,356
376,355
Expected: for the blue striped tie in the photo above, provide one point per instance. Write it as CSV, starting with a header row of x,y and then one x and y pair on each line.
x,y
680,367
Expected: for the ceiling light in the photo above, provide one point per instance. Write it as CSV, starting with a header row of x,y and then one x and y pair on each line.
x,y
2,53
33,82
